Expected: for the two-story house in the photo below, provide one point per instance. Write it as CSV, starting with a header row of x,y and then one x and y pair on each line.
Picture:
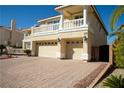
x,y
70,35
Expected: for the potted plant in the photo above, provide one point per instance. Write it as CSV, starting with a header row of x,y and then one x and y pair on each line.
x,y
28,52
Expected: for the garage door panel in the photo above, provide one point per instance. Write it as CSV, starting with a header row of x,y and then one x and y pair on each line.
x,y
48,51
74,49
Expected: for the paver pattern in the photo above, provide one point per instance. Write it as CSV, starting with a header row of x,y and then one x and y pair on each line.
x,y
38,72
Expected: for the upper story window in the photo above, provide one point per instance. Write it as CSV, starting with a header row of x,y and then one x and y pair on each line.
x,y
78,17
53,22
100,29
27,33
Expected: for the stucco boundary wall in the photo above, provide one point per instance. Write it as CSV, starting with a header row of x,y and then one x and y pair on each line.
x,y
105,70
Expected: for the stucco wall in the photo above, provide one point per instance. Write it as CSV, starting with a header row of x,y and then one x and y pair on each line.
x,y
4,36
99,36
14,37
17,38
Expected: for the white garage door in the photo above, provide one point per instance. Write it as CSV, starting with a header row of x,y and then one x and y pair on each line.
x,y
74,49
48,49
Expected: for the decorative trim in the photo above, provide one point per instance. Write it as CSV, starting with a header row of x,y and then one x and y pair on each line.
x,y
74,29
61,31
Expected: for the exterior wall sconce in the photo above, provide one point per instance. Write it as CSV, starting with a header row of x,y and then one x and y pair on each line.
x,y
58,39
85,38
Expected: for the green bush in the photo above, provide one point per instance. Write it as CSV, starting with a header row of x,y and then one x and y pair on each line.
x,y
114,82
28,52
14,46
1,49
119,51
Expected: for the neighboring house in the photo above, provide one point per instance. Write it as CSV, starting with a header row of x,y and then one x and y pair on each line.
x,y
74,34
11,36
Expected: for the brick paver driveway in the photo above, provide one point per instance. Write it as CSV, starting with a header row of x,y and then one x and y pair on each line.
x,y
43,72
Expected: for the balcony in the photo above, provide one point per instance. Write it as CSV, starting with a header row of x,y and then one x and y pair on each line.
x,y
66,26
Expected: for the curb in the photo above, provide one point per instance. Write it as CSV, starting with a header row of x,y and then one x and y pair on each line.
x,y
100,75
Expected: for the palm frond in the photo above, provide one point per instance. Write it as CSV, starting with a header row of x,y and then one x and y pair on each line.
x,y
121,28
118,31
115,33
117,13
114,82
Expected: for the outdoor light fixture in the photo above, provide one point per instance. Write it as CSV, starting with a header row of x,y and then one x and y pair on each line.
x,y
58,39
85,38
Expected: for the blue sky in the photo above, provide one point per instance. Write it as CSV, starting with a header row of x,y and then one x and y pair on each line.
x,y
27,16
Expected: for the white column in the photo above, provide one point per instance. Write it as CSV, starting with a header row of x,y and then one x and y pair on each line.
x,y
85,47
32,28
61,22
23,45
61,49
32,47
85,15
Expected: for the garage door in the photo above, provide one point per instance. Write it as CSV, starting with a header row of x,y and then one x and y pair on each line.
x,y
48,49
74,49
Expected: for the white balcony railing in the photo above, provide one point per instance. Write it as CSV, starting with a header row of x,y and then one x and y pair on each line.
x,y
73,23
46,29
54,28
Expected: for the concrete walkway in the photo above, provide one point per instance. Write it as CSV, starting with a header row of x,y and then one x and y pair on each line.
x,y
43,72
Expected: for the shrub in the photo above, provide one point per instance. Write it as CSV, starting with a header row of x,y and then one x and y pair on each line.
x,y
114,82
28,52
119,51
1,48
16,46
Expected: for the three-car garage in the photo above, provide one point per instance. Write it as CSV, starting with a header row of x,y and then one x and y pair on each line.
x,y
73,49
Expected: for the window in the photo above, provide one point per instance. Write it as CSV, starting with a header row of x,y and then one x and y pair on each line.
x,y
100,29
27,45
72,42
53,22
68,43
55,42
77,42
78,17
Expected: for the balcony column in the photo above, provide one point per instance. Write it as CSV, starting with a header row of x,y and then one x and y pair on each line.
x,y
33,48
61,22
32,28
85,15
61,49
85,54
23,45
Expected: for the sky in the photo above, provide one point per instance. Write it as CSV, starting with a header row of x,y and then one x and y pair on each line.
x,y
27,16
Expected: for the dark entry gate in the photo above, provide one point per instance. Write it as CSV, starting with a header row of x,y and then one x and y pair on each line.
x,y
104,53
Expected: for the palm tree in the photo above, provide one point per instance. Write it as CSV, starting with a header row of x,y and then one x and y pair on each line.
x,y
118,45
117,13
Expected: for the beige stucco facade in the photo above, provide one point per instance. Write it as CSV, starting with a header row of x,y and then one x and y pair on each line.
x,y
70,35
11,36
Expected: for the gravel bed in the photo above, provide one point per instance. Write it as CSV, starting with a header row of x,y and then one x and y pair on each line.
x,y
88,79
